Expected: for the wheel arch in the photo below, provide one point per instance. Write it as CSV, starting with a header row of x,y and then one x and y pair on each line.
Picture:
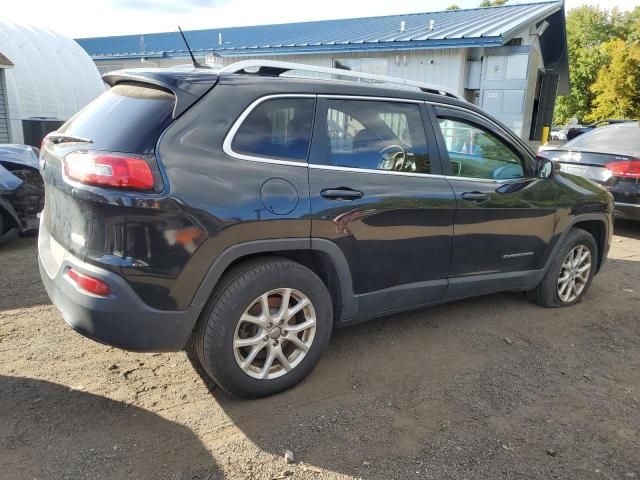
x,y
599,225
321,256
9,221
598,230
8,213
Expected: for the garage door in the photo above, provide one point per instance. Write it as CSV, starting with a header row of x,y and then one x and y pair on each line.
x,y
4,126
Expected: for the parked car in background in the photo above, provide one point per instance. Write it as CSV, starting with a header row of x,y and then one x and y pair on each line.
x,y
576,131
609,156
252,213
558,133
21,190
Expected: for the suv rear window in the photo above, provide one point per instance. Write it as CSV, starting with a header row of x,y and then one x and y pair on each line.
x,y
126,118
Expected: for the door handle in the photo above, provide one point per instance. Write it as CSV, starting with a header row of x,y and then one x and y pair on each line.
x,y
475,196
341,193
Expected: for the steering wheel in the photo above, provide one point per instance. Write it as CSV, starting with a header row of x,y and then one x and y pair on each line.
x,y
394,157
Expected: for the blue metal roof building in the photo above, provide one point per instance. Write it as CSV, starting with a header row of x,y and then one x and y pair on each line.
x,y
459,48
493,26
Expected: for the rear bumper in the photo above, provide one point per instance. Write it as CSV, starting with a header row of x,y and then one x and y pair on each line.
x,y
630,211
122,319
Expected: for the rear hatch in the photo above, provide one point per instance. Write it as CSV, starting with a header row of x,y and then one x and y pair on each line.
x,y
100,168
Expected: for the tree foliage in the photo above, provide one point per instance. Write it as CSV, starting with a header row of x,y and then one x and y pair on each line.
x,y
492,3
453,6
592,38
617,87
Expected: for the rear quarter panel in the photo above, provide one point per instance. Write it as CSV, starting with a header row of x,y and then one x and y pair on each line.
x,y
222,193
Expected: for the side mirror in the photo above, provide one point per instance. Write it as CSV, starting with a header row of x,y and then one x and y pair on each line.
x,y
544,167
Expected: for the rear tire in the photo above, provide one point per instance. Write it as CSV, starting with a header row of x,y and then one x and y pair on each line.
x,y
570,273
250,342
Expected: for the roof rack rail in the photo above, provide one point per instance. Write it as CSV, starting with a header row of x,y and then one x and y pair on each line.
x,y
276,68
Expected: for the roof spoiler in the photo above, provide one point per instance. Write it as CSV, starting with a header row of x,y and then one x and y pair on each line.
x,y
187,87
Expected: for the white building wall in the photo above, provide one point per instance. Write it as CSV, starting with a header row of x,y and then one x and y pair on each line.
x,y
445,67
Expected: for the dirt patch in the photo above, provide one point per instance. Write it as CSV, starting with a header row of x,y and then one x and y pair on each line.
x,y
492,387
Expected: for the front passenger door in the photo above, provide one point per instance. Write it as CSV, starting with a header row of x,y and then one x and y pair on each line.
x,y
504,220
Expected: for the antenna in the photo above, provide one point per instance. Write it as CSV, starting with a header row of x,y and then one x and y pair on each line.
x,y
196,64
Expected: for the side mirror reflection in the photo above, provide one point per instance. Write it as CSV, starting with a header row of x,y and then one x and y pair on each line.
x,y
544,167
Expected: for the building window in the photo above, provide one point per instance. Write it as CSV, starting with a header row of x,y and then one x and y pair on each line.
x,y
377,66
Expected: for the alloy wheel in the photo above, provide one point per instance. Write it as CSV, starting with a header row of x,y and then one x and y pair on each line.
x,y
275,333
574,273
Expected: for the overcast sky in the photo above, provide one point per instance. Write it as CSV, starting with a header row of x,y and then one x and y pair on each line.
x,y
87,18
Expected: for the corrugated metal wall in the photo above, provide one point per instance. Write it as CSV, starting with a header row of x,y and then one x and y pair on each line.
x,y
4,123
441,67
445,67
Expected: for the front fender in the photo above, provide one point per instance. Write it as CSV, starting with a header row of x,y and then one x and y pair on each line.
x,y
566,224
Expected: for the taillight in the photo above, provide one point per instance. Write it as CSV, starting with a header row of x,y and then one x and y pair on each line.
x,y
89,284
109,169
624,168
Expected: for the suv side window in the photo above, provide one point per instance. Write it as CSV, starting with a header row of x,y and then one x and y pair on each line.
x,y
375,135
478,153
278,128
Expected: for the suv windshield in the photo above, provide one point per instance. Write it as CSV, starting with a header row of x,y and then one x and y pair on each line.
x,y
126,118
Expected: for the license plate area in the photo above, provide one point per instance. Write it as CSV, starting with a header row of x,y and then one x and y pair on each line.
x,y
592,172
573,169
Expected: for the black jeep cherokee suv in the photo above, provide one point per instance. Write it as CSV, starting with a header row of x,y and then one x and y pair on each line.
x,y
252,213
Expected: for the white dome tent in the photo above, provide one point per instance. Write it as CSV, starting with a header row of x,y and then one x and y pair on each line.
x,y
52,76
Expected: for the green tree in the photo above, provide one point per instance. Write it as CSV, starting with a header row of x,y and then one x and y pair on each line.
x,y
588,29
453,7
634,26
617,87
492,3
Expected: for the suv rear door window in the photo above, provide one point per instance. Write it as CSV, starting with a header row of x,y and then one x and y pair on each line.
x,y
376,135
278,128
126,118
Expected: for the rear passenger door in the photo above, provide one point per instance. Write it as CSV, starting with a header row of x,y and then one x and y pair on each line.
x,y
377,193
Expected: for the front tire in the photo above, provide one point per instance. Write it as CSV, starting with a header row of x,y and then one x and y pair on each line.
x,y
570,273
265,327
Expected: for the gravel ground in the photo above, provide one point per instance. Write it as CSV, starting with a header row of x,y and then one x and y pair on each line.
x,y
489,388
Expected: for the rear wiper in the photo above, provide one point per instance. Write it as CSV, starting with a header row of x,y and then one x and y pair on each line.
x,y
63,138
